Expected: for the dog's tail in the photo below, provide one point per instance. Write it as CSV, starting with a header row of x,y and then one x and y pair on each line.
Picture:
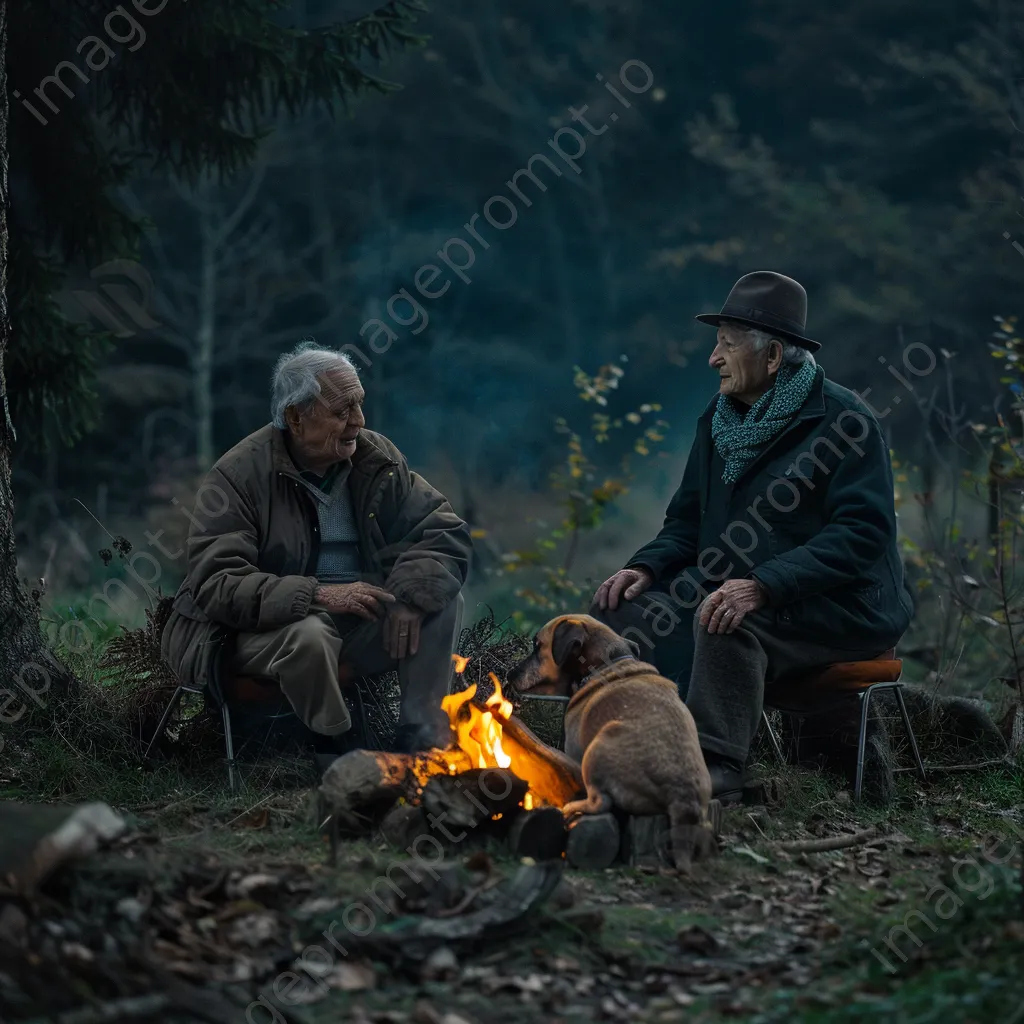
x,y
692,837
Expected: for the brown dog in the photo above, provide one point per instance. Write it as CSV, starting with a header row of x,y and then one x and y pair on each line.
x,y
635,739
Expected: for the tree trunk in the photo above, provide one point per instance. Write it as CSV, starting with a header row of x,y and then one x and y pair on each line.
x,y
28,671
202,367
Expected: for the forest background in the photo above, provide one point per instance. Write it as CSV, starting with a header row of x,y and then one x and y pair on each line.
x,y
874,153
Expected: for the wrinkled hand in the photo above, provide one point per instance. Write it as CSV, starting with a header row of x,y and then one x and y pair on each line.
x,y
726,608
362,599
402,631
633,581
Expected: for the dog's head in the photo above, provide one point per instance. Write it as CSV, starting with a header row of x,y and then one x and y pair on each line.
x,y
565,651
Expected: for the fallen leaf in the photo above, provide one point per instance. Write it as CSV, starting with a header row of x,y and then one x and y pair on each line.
x,y
239,888
317,905
257,819
253,929
352,976
424,1013
440,965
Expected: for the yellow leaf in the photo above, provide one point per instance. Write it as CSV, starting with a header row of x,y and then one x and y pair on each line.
x,y
478,533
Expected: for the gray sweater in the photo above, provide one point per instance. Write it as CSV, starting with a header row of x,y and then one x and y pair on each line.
x,y
339,560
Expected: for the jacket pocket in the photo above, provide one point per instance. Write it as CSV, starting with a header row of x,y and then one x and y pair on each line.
x,y
790,507
185,606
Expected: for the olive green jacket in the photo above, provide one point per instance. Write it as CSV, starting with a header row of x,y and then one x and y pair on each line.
x,y
254,545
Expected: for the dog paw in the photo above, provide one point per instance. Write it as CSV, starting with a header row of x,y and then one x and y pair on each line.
x,y
692,843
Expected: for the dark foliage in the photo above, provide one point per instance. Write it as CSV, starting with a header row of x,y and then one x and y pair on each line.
x,y
198,99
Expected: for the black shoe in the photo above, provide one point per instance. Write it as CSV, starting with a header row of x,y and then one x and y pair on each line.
x,y
336,745
727,779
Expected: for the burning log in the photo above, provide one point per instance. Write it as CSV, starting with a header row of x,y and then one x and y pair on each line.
x,y
553,777
360,787
495,771
594,842
540,834
468,799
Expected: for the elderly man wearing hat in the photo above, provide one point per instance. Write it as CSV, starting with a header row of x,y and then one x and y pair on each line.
x,y
778,550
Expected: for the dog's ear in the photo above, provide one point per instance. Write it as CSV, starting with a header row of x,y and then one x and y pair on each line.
x,y
634,647
567,641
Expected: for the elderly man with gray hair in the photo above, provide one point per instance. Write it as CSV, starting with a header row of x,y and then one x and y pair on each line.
x,y
313,544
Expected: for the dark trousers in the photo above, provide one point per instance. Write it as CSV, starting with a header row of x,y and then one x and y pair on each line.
x,y
721,676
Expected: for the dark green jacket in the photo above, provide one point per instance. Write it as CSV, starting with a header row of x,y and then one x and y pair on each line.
x,y
813,519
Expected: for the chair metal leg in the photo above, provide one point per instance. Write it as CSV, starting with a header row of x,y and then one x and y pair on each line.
x,y
773,738
862,738
229,746
898,691
162,724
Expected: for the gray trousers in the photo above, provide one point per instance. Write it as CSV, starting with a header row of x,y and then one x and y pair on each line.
x,y
303,659
721,676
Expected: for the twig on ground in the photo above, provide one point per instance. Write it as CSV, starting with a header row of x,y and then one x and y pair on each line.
x,y
832,843
259,803
1002,762
758,827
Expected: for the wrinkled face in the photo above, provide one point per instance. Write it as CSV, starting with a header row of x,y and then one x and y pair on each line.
x,y
745,374
327,433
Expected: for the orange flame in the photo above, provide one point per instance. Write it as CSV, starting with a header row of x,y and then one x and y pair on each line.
x,y
477,743
479,732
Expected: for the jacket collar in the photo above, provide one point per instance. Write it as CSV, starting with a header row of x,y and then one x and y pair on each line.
x,y
368,457
813,408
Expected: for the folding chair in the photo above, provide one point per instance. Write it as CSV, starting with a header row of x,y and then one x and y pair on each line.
x,y
253,691
826,689
564,701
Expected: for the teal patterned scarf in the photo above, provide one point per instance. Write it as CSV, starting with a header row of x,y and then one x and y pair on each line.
x,y
740,438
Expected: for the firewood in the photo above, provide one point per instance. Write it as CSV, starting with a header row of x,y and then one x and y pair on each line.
x,y
647,841
594,841
361,786
403,824
472,798
831,843
554,777
363,777
540,834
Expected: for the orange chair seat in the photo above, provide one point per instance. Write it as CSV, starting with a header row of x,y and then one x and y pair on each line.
x,y
844,677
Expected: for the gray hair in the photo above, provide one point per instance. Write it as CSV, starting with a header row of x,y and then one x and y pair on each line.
x,y
792,353
295,380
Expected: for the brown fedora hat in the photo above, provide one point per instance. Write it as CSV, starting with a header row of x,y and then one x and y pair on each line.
x,y
770,302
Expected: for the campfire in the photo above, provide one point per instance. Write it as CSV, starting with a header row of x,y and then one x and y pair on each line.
x,y
496,779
